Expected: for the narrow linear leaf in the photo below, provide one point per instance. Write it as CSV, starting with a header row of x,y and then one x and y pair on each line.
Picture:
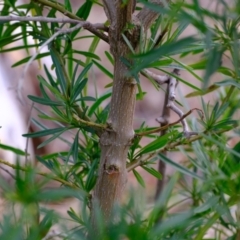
x,y
41,55
179,167
110,57
78,88
87,54
45,132
139,178
83,73
153,172
103,69
154,145
12,149
59,71
229,82
44,101
93,108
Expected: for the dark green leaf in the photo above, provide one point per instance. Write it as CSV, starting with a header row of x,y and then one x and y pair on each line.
x,y
45,132
59,71
39,56
92,177
44,101
78,89
229,82
103,69
179,167
110,57
157,144
82,74
153,172
74,148
12,149
93,108
156,54
214,61
139,178
87,54
67,5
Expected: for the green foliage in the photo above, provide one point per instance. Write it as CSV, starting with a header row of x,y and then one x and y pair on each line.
x,y
203,193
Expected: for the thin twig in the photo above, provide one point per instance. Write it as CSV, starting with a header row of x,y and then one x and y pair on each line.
x,y
161,79
86,25
94,125
140,161
156,130
8,172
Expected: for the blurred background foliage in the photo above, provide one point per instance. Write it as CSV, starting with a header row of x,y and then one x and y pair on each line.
x,y
201,199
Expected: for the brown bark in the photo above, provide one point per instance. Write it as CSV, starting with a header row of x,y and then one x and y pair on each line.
x,y
115,143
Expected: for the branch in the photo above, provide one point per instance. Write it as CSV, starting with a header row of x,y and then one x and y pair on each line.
x,y
147,16
159,79
13,166
64,11
140,161
96,126
86,25
8,172
156,130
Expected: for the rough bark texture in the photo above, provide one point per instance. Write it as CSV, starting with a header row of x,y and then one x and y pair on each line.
x,y
115,143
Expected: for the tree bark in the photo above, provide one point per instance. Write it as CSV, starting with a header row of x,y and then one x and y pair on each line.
x,y
115,143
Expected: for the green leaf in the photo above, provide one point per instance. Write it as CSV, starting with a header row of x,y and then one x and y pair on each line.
x,y
45,132
44,101
213,63
78,89
39,56
156,54
228,82
74,216
84,10
12,149
74,148
59,71
128,43
54,155
139,178
82,74
179,167
153,172
51,139
202,93
93,47
84,99
83,13
110,57
182,26
91,177
103,69
19,48
157,144
50,78
93,108
87,54
67,5
226,71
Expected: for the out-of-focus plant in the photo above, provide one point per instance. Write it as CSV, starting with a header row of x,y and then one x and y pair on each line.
x,y
104,145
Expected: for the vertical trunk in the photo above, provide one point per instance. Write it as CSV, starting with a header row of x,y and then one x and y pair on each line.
x,y
115,143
